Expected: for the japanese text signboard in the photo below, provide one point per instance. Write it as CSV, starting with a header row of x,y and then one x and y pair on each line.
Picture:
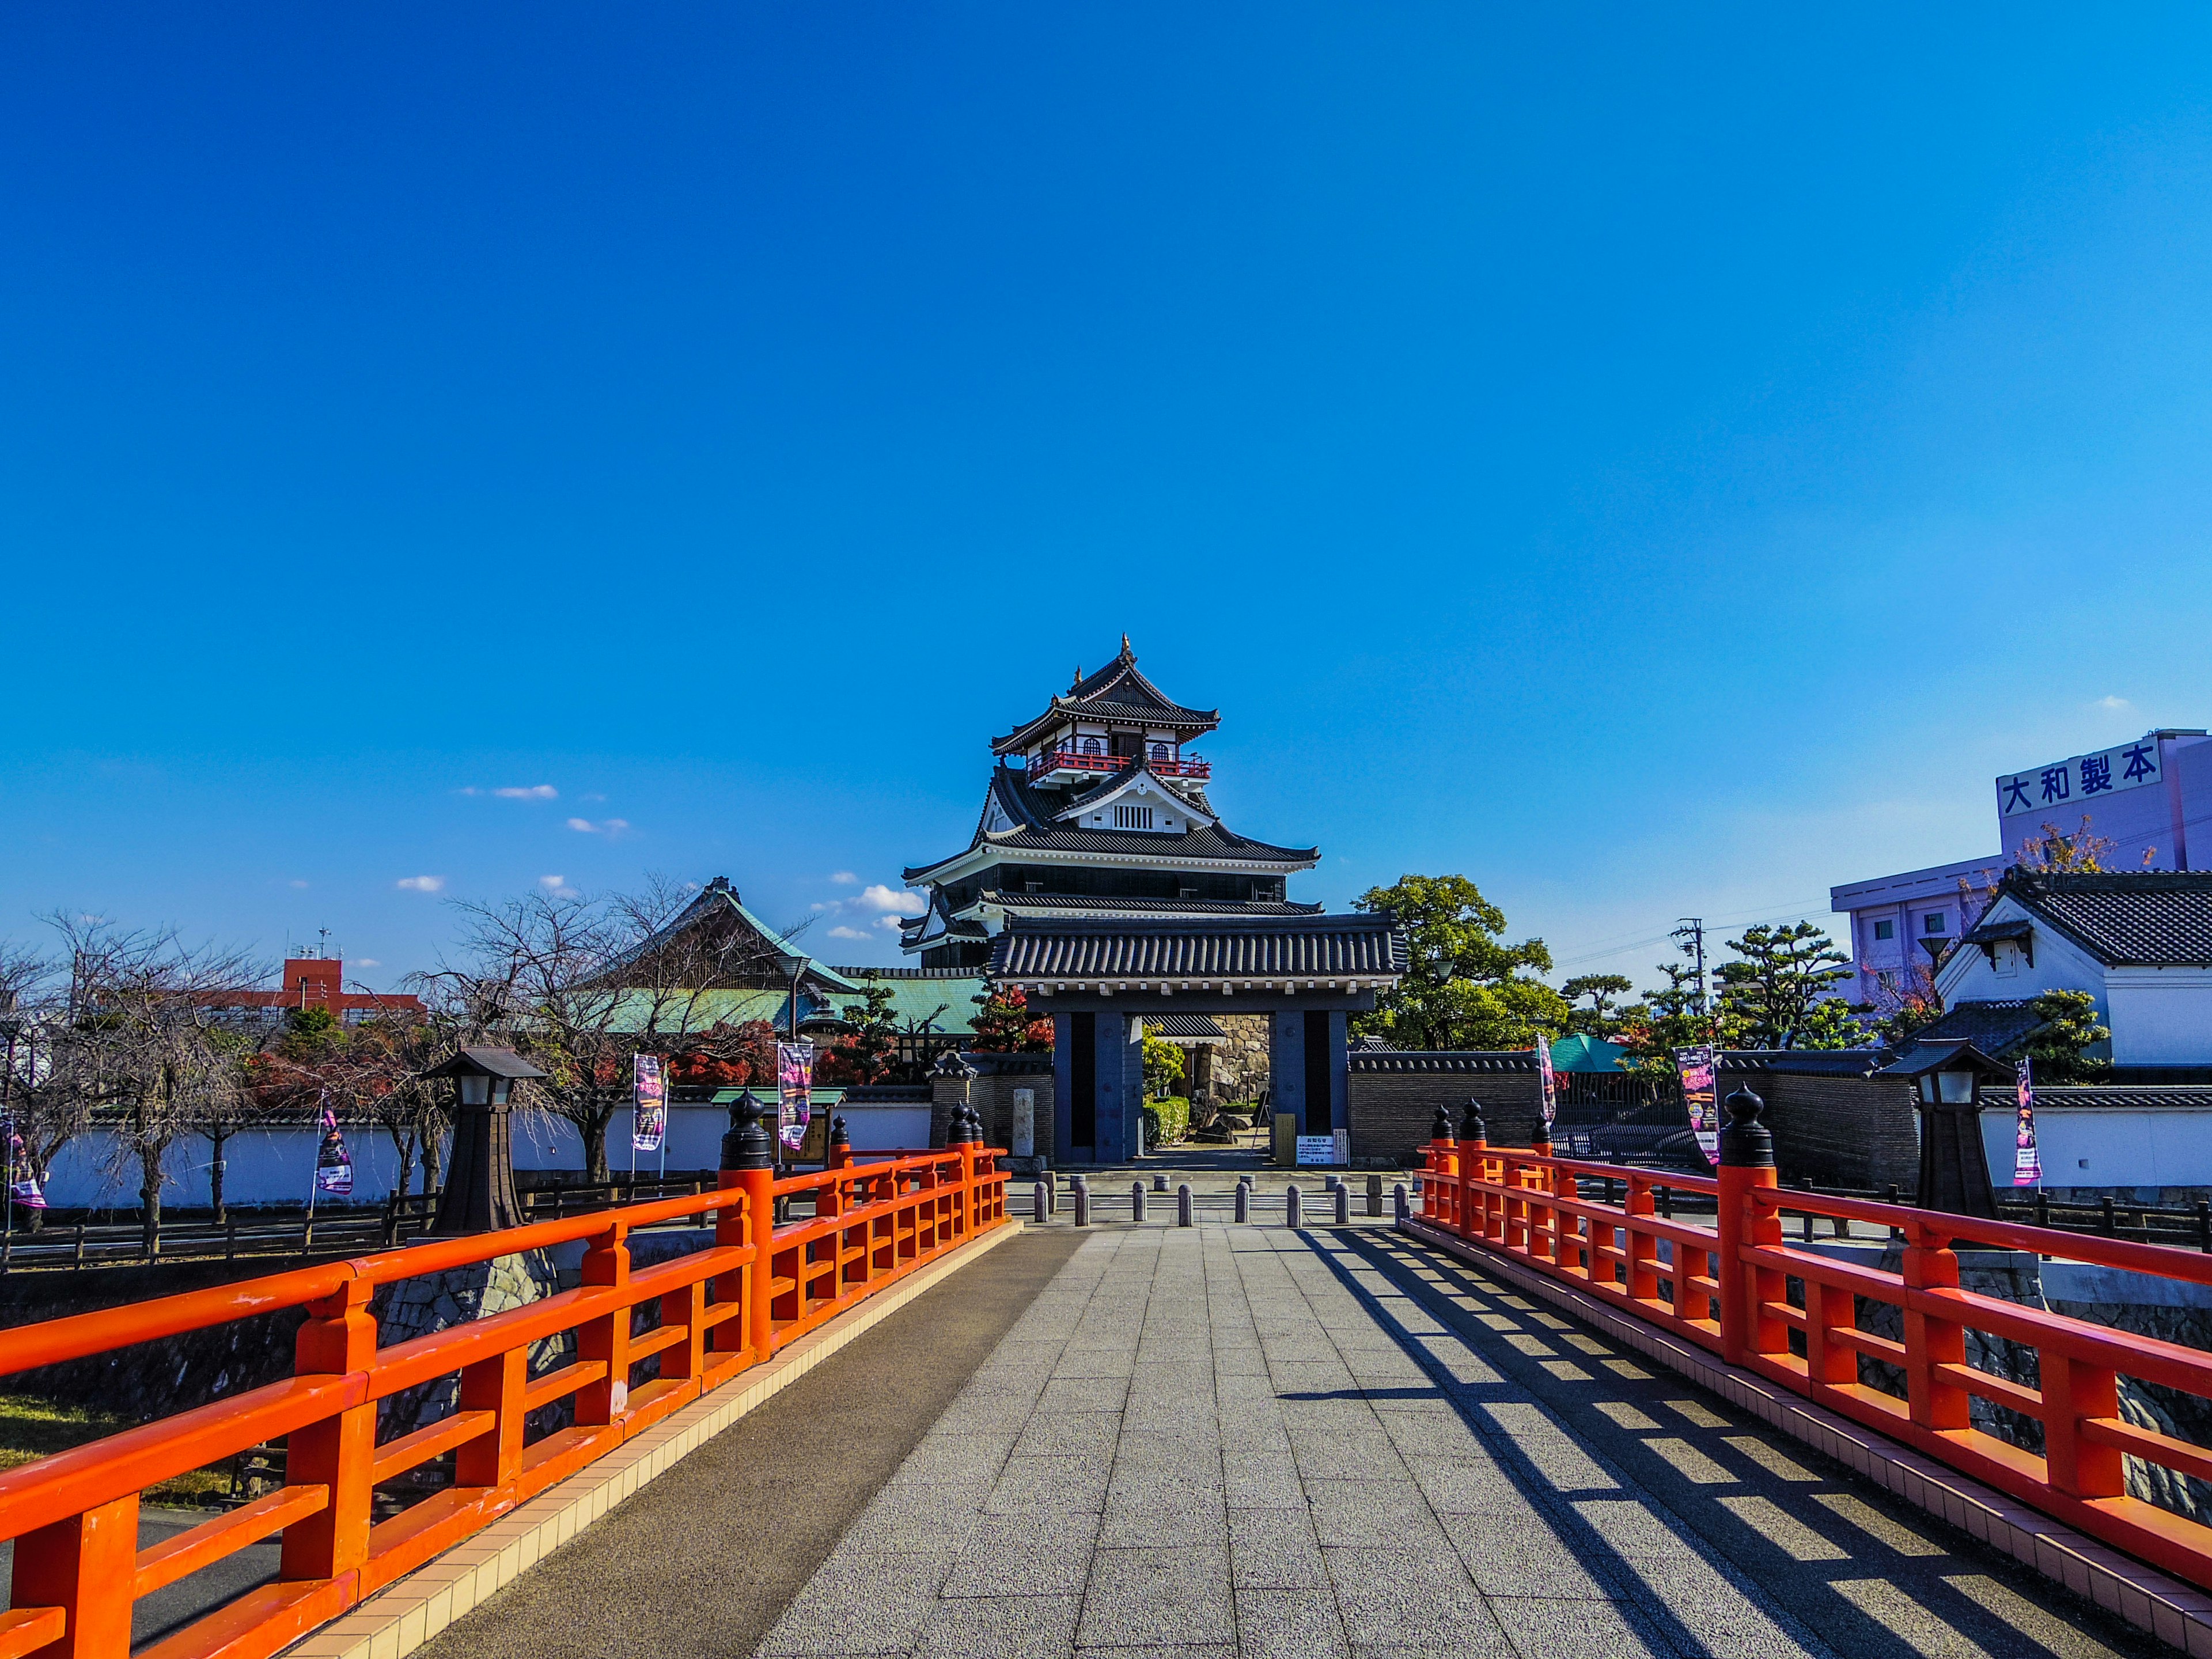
x,y
649,1113
2027,1161
1695,1067
2067,785
795,1076
1546,1085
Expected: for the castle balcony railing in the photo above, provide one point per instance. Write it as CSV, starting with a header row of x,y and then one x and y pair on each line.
x,y
1070,760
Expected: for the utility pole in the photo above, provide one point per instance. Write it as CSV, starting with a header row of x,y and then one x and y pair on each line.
x,y
1694,928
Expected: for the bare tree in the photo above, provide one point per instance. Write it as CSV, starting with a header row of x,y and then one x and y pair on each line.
x,y
580,984
27,1104
138,1050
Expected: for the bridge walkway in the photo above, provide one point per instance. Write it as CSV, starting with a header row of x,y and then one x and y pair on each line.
x,y
1250,1441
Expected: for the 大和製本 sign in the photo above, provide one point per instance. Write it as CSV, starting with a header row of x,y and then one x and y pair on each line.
x,y
2068,783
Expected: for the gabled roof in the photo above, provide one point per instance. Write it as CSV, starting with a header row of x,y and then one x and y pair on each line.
x,y
1137,773
1035,828
2130,919
719,899
1116,693
1996,1028
1361,946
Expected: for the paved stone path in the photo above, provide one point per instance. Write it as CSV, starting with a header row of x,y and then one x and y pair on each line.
x,y
1250,1441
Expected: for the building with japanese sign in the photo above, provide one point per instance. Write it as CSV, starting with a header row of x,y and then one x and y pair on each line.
x,y
2147,797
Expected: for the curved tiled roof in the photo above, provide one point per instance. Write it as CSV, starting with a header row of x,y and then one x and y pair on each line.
x,y
1217,947
2135,919
1035,829
1116,691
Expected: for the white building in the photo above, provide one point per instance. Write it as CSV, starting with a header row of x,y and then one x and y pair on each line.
x,y
2142,797
2140,943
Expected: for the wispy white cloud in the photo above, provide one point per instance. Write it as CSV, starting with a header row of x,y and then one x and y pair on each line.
x,y
608,827
531,792
296,882
891,923
594,795
557,886
876,897
2114,705
420,883
846,932
366,961
845,878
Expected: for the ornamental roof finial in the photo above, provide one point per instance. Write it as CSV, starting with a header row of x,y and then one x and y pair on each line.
x,y
1126,651
1078,678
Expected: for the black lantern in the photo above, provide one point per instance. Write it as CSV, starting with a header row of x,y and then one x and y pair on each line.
x,y
1946,1079
479,1196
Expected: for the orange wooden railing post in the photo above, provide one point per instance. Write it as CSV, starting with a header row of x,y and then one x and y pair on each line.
x,y
495,1385
1930,1263
1643,1248
2075,1390
1442,1160
1747,1162
749,1167
606,1339
1473,1166
339,1452
87,1566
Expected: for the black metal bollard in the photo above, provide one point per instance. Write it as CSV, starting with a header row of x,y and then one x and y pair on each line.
x,y
1041,1201
1244,1200
1374,1194
1291,1218
1136,1200
1182,1205
1343,1202
1159,1183
1399,1208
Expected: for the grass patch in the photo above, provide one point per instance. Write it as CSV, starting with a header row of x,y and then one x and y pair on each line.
x,y
32,1428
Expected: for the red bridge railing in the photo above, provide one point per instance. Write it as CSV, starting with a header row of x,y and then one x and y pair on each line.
x,y
723,1307
1731,1291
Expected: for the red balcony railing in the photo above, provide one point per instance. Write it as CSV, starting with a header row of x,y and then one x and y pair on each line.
x,y
724,1307
1725,1289
1068,760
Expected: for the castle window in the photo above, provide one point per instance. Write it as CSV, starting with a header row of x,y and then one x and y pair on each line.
x,y
1885,930
1159,751
1133,817
1094,746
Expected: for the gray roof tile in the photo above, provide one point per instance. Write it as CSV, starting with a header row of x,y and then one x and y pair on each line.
x,y
1217,947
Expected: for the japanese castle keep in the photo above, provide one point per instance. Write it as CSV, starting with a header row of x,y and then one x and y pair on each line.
x,y
1101,882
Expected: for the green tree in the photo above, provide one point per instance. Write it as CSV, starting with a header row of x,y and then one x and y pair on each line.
x,y
1604,1016
1004,1024
311,1033
1164,1065
1669,1018
874,1044
1465,988
1777,983
2069,1028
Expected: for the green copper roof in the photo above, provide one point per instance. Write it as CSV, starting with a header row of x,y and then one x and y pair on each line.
x,y
1586,1053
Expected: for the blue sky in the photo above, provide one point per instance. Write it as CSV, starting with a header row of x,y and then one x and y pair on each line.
x,y
1650,462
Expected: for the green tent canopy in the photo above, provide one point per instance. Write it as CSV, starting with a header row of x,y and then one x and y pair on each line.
x,y
1586,1053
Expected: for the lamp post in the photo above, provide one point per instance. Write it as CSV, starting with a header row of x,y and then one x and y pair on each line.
x,y
478,1196
1946,1079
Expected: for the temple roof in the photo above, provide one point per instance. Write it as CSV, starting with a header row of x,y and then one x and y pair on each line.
x,y
1362,945
1029,815
2132,917
1118,694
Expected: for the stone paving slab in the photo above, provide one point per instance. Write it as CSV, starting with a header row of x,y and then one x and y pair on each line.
x,y
1249,1441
